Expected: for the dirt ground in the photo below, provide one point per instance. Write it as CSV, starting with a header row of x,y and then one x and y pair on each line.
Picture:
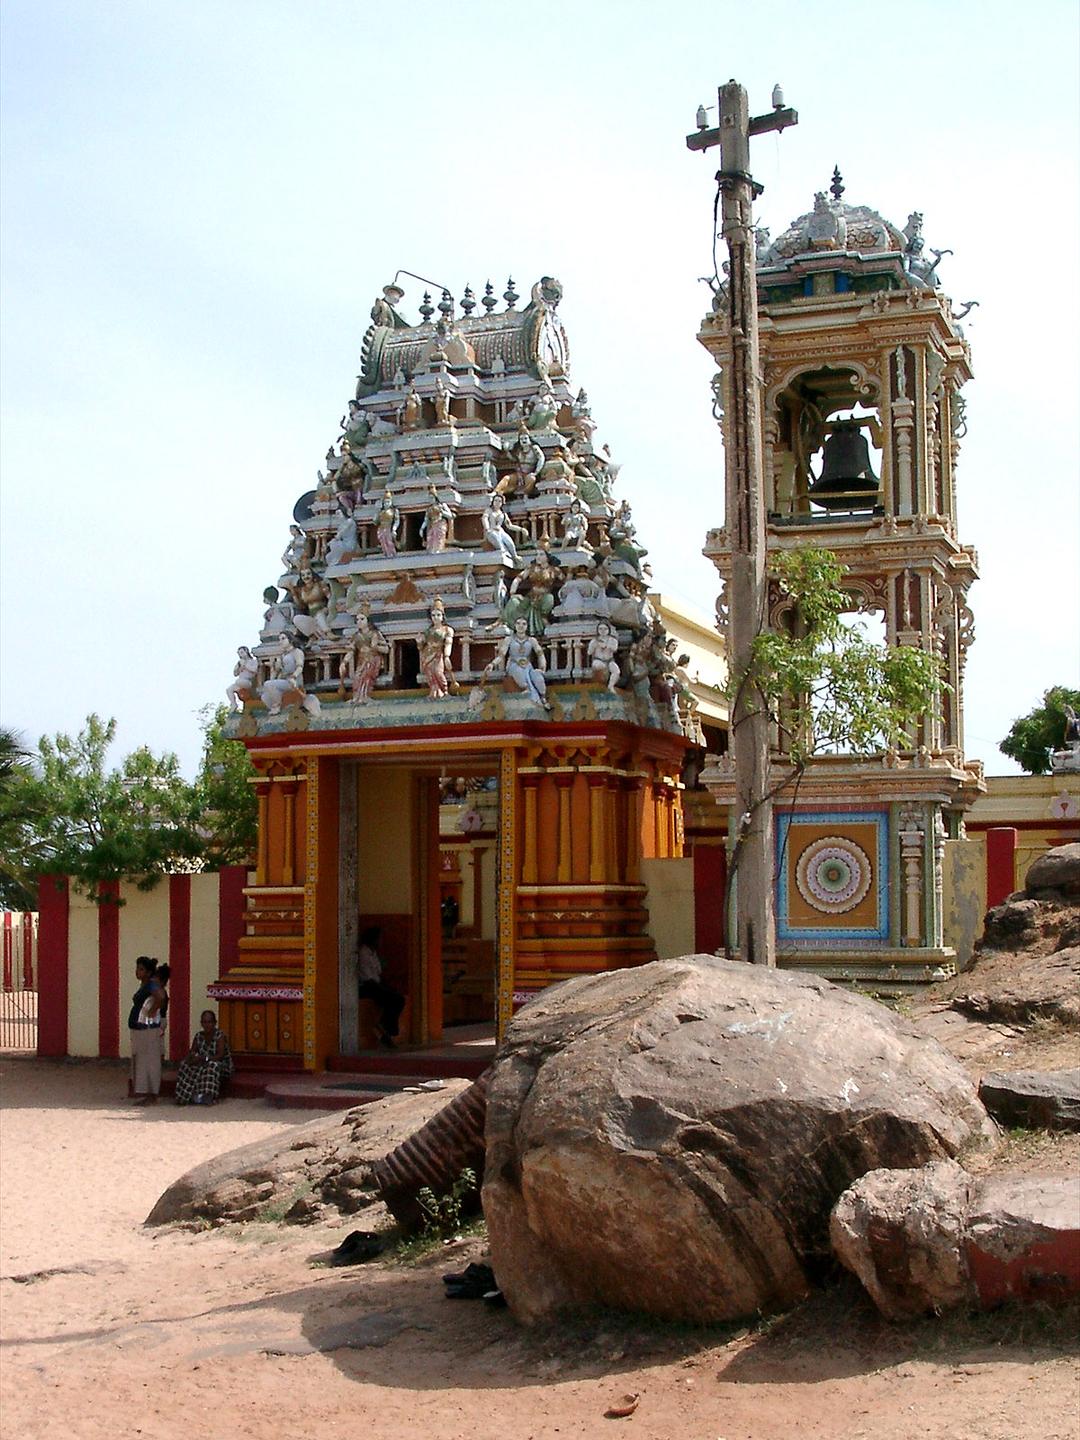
x,y
112,1330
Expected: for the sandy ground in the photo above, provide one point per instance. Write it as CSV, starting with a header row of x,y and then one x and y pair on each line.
x,y
234,1332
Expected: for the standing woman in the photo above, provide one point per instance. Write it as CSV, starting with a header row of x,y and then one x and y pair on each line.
x,y
161,975
144,1025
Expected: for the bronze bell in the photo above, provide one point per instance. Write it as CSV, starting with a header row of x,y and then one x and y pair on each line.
x,y
846,481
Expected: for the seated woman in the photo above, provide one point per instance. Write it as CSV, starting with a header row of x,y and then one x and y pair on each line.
x,y
205,1066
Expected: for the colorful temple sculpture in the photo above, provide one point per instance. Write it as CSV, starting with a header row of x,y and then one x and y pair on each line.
x,y
464,600
862,364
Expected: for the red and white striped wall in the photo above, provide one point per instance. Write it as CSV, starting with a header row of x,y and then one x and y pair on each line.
x,y
18,947
87,952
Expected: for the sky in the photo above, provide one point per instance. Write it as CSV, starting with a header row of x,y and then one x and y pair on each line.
x,y
200,201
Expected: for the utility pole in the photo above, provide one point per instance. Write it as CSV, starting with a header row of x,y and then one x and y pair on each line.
x,y
744,513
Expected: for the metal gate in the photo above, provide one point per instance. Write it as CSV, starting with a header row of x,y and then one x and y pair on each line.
x,y
18,981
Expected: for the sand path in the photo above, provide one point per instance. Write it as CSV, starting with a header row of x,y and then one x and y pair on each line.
x,y
233,1333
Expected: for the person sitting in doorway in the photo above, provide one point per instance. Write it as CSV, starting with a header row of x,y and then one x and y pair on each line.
x,y
369,968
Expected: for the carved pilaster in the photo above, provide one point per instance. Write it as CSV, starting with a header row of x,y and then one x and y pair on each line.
x,y
911,860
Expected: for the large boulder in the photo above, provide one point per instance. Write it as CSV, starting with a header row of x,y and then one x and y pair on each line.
x,y
923,1241
1058,869
672,1138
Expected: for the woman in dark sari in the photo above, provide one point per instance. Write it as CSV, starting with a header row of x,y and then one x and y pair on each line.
x,y
205,1066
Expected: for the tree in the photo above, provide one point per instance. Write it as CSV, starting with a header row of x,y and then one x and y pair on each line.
x,y
138,821
1042,730
225,797
827,686
16,815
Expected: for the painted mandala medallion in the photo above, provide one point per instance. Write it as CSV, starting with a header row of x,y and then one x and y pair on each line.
x,y
833,875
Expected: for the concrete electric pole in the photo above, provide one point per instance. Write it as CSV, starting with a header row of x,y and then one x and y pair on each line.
x,y
744,512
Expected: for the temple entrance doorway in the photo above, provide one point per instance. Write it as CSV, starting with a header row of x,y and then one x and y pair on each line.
x,y
417,855
468,919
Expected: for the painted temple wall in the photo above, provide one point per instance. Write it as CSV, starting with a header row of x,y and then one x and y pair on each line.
x,y
179,920
385,871
83,968
671,906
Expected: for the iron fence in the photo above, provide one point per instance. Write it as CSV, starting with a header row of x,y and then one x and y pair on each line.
x,y
18,1019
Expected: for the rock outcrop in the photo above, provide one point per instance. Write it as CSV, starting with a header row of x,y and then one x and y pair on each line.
x,y
901,1232
1058,870
1046,1099
923,1241
291,1175
672,1138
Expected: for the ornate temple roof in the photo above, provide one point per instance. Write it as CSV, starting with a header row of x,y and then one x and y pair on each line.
x,y
463,556
847,237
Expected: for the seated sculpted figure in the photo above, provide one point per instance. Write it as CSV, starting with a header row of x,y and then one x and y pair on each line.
x,y
245,671
575,528
499,530
532,593
602,651
521,657
287,678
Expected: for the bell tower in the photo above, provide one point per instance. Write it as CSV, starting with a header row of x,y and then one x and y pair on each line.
x,y
862,365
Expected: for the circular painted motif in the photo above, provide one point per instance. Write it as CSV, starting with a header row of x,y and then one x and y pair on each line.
x,y
833,874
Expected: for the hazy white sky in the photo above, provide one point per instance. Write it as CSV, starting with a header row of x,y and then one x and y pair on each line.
x,y
200,201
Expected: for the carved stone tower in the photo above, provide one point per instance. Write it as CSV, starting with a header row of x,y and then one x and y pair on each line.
x,y
862,363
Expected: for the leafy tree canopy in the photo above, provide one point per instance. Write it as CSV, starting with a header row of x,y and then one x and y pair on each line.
x,y
139,820
830,688
1042,730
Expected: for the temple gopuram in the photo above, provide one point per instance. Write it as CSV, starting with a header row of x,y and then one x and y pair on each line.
x,y
862,364
462,619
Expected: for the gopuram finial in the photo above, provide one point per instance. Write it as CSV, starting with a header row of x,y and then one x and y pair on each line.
x,y
837,186
510,295
489,301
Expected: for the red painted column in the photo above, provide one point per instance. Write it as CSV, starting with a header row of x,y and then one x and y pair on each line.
x,y
179,1022
710,882
231,882
1000,864
52,965
109,969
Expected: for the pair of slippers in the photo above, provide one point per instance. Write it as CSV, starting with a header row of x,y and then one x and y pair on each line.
x,y
475,1282
358,1246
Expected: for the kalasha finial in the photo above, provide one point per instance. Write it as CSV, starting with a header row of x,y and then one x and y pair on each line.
x,y
446,305
426,307
468,301
489,301
510,295
837,186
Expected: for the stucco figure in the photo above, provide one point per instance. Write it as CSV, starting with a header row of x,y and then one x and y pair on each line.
x,y
245,671
435,645
436,526
388,525
575,527
602,651
363,661
499,530
522,659
532,595
287,678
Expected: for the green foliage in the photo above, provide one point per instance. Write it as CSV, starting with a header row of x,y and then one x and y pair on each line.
x,y
442,1213
828,686
17,891
139,820
1034,735
225,798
